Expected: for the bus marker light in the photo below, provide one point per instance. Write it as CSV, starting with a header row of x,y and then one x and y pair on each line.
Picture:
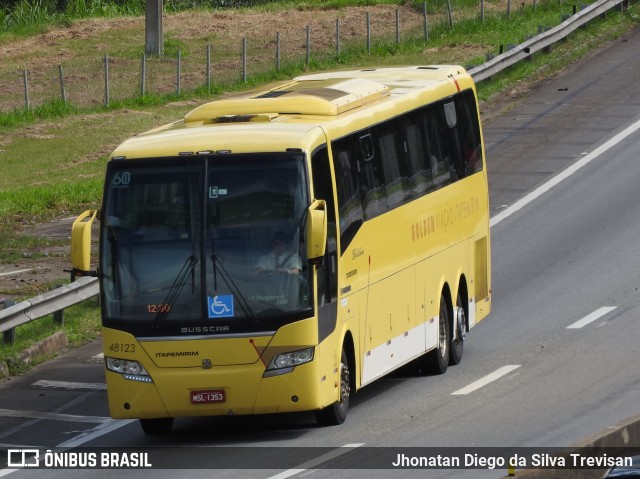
x,y
140,379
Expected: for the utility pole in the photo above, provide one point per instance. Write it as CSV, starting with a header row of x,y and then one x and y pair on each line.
x,y
153,43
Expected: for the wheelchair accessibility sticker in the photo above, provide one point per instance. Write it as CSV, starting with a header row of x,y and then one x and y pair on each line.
x,y
220,306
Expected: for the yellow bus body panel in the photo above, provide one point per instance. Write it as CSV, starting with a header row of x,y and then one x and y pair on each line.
x,y
397,258
238,364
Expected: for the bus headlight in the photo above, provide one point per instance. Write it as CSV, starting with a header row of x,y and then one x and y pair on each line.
x,y
285,363
131,370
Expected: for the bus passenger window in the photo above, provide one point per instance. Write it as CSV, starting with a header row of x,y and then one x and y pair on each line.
x,y
469,132
418,170
391,168
437,134
349,201
457,155
372,187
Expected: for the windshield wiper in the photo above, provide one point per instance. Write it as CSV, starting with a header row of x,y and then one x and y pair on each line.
x,y
115,259
237,292
188,269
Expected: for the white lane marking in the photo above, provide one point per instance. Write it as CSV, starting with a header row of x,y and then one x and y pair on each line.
x,y
522,202
317,461
52,416
105,428
489,378
43,383
590,318
98,356
5,445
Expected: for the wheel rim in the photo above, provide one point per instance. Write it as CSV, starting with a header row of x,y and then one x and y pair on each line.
x,y
345,388
443,336
461,326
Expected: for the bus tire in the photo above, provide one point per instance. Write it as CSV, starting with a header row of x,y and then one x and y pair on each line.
x,y
160,425
436,361
457,343
336,413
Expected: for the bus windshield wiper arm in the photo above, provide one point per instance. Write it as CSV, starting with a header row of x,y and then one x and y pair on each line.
x,y
115,261
226,277
188,268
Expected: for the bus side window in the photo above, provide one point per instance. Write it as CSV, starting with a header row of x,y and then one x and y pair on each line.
x,y
469,132
417,165
370,164
347,184
457,156
436,134
389,158
371,186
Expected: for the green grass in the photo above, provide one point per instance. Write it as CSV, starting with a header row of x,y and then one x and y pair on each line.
x,y
16,247
50,110
28,17
81,325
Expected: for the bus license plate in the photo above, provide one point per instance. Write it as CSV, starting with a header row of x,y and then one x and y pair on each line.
x,y
208,397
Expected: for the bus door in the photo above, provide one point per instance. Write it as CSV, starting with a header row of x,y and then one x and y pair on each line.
x,y
327,271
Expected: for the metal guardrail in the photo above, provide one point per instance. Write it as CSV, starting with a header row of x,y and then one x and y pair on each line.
x,y
543,40
87,287
48,303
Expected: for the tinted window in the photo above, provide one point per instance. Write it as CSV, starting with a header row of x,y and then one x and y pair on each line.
x,y
345,160
401,159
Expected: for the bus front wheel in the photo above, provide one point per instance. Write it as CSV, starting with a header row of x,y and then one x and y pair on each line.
x,y
336,413
156,426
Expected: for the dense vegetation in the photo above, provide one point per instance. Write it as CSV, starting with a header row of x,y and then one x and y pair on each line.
x,y
29,15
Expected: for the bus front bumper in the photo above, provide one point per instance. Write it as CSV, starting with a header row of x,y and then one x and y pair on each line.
x,y
225,390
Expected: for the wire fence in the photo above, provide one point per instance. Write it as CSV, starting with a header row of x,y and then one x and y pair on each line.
x,y
218,59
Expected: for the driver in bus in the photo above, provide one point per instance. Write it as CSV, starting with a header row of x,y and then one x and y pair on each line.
x,y
280,259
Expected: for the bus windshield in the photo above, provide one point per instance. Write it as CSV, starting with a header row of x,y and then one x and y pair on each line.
x,y
215,241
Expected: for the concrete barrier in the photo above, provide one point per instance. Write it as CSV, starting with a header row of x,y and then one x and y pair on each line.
x,y
625,434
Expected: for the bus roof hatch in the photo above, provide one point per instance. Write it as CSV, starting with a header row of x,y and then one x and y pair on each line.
x,y
328,97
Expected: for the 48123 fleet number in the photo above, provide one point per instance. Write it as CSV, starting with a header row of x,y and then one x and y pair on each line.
x,y
122,348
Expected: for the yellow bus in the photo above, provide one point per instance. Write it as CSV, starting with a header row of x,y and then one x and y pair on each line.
x,y
277,250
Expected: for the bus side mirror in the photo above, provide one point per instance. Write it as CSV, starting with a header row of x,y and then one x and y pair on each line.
x,y
316,231
81,244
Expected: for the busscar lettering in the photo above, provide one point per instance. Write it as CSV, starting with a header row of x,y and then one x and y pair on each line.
x,y
205,329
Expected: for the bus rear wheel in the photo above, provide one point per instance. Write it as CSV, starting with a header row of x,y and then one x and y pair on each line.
x,y
437,360
457,343
156,426
336,413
